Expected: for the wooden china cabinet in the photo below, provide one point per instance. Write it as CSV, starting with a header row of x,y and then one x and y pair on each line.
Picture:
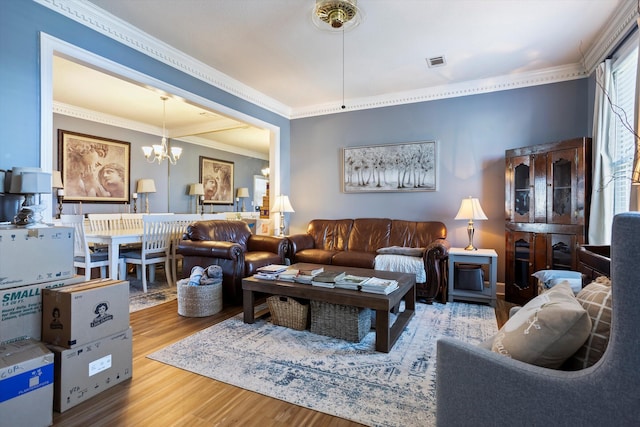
x,y
548,188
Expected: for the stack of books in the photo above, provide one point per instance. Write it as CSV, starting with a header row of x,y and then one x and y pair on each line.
x,y
289,275
328,279
306,275
269,272
351,282
379,286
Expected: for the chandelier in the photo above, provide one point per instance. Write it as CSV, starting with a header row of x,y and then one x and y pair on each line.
x,y
161,151
336,15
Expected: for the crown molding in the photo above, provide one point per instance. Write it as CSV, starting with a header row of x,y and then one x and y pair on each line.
x,y
88,14
612,35
473,87
93,17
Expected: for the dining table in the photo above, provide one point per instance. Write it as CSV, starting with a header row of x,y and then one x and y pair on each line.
x,y
113,239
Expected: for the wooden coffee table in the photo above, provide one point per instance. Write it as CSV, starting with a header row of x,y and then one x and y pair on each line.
x,y
386,334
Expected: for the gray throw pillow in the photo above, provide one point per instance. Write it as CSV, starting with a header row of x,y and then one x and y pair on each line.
x,y
400,250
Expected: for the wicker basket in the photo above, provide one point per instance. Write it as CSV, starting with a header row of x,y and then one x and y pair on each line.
x,y
199,301
286,311
340,321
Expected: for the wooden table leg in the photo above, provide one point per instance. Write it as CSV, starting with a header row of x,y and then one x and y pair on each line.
x,y
247,304
382,331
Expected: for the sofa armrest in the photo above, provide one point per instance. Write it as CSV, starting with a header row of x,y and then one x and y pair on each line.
x,y
436,258
210,249
276,245
299,242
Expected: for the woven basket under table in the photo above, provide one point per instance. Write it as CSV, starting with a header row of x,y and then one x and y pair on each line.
x,y
340,321
199,301
288,312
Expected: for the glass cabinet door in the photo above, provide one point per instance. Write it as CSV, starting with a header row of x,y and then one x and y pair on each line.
x,y
561,187
520,285
520,187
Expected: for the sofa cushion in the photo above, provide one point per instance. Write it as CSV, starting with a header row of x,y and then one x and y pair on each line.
x,y
315,256
596,299
354,259
547,330
330,234
369,234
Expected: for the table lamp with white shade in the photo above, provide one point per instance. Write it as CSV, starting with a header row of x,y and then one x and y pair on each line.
x,y
146,186
30,182
242,193
56,182
197,190
281,206
470,209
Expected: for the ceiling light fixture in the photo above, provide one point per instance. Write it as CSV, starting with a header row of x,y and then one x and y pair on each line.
x,y
336,15
161,151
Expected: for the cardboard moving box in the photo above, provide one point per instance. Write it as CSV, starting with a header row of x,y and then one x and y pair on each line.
x,y
26,384
35,255
21,309
89,369
78,314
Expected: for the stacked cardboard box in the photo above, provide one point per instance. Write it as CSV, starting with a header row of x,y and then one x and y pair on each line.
x,y
86,326
26,384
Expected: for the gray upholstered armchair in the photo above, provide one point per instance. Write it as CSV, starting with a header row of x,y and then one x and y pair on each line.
x,y
478,387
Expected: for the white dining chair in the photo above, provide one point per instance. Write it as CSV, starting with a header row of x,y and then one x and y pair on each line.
x,y
105,222
156,244
83,256
180,224
131,220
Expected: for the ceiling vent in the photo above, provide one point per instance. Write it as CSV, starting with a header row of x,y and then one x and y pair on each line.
x,y
436,61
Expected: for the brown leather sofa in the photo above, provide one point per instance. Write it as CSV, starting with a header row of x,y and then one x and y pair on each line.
x,y
354,243
230,245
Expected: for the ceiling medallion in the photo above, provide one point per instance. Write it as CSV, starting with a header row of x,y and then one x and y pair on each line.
x,y
336,15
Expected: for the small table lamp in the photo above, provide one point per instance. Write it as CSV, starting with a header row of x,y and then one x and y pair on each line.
x,y
56,182
281,206
470,209
197,190
243,192
30,182
146,186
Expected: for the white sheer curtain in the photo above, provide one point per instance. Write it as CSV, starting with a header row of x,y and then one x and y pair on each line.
x,y
634,200
602,194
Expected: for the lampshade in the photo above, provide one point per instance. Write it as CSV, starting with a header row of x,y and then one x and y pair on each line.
x,y
243,192
35,183
196,189
16,179
56,180
146,185
470,209
282,204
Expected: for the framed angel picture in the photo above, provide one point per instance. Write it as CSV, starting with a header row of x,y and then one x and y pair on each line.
x,y
217,178
94,169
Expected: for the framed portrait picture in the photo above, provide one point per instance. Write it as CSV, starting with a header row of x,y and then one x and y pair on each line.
x,y
217,178
94,169
402,167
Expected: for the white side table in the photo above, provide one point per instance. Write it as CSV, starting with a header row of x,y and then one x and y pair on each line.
x,y
481,257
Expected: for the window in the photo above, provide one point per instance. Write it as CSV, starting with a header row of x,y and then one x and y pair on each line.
x,y
624,67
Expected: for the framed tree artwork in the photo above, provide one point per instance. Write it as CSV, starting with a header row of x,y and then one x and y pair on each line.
x,y
402,167
217,178
94,169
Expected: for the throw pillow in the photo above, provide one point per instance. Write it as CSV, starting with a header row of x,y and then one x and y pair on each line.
x,y
547,279
547,330
400,250
596,299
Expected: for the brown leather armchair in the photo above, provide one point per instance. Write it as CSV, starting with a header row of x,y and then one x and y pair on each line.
x,y
230,245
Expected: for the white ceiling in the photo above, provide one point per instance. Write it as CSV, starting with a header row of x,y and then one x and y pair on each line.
x,y
273,47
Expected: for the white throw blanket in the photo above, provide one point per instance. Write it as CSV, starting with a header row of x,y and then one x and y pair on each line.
x,y
402,264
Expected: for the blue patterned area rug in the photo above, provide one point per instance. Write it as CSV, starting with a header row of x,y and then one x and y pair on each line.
x,y
158,292
348,380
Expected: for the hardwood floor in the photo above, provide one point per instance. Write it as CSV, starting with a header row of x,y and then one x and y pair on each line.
x,y
161,395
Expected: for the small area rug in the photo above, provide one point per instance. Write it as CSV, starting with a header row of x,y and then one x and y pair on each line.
x,y
157,293
348,380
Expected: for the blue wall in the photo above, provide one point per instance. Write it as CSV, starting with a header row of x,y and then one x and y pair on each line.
x,y
20,25
472,134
